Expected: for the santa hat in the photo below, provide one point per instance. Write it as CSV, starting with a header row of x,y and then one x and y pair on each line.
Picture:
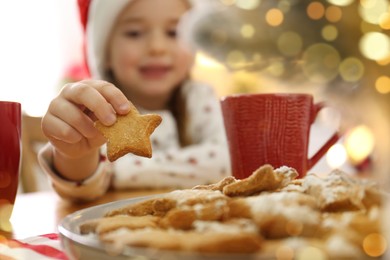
x,y
97,18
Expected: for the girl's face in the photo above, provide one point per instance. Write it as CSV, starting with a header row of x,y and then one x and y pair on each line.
x,y
146,58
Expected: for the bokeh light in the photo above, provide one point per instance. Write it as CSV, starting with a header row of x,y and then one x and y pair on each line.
x,y
321,62
290,43
247,31
359,143
315,10
375,45
336,156
374,245
333,14
351,69
274,17
247,4
382,84
341,2
371,11
329,32
384,21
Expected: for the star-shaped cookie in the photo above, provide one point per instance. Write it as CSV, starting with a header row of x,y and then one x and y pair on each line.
x,y
129,134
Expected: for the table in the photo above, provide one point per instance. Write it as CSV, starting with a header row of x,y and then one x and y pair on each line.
x,y
40,212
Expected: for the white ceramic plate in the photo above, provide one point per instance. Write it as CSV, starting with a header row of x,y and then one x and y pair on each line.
x,y
79,246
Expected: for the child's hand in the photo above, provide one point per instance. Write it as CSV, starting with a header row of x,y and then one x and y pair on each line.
x,y
68,123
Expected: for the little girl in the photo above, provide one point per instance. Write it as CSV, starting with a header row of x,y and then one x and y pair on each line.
x,y
134,55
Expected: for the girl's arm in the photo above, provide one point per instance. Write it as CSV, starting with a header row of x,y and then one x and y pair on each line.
x,y
73,154
87,189
206,161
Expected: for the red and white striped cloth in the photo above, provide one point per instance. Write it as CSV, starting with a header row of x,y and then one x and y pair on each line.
x,y
44,247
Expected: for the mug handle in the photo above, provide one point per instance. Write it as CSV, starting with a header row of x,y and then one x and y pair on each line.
x,y
325,147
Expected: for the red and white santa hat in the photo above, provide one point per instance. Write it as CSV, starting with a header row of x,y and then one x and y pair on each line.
x,y
97,18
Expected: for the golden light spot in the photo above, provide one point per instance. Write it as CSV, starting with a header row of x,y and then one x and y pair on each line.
x,y
289,43
384,21
315,10
284,253
236,59
247,4
329,32
375,45
359,143
351,69
336,156
247,31
374,245
382,85
341,2
310,253
228,2
371,11
321,62
274,17
333,14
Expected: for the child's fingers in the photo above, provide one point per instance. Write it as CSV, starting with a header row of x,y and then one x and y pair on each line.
x,y
55,128
114,96
88,96
71,115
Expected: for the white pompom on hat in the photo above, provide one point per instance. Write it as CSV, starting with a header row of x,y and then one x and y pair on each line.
x,y
98,18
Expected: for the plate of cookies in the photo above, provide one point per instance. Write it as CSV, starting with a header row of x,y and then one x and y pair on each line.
x,y
271,214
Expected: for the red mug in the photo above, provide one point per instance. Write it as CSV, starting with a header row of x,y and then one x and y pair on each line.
x,y
271,129
10,155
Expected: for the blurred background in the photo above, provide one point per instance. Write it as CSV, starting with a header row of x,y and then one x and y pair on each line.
x,y
337,50
40,40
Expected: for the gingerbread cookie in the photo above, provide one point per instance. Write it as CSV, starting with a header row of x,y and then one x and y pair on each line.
x,y
268,212
263,179
129,134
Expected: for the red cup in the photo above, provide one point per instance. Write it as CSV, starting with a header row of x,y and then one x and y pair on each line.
x,y
271,129
10,155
